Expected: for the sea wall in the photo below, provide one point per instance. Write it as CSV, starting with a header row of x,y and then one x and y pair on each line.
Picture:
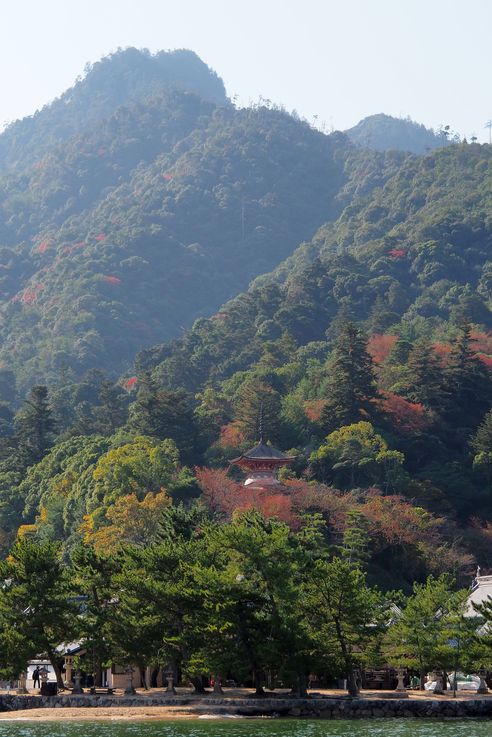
x,y
320,708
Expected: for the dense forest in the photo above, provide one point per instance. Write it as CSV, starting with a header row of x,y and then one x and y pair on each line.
x,y
363,340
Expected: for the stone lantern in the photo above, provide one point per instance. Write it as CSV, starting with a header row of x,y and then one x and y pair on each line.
x,y
400,688
68,670
129,690
22,683
169,676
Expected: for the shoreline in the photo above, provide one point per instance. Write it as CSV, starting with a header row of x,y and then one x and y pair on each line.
x,y
330,705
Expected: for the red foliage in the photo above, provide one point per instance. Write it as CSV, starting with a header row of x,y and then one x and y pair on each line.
x,y
313,409
168,176
220,493
100,237
101,151
408,417
487,360
396,253
231,436
224,496
131,382
443,350
30,294
112,279
379,346
43,246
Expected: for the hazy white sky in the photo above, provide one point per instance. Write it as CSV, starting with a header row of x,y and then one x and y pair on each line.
x,y
338,60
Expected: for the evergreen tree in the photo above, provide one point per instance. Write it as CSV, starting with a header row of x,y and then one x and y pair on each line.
x,y
112,410
258,403
351,386
424,381
165,414
468,383
35,426
35,602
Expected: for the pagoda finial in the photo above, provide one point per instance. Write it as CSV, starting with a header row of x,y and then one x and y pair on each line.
x,y
260,424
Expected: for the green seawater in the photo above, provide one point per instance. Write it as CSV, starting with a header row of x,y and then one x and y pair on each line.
x,y
252,728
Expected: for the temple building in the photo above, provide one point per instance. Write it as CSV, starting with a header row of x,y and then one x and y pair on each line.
x,y
261,463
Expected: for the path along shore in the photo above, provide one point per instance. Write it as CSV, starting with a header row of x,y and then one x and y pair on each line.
x,y
234,703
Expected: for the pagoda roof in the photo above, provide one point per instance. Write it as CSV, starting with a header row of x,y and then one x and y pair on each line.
x,y
264,452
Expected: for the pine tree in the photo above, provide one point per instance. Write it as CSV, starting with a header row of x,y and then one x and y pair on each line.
x,y
424,381
35,426
165,414
112,410
351,386
468,383
256,400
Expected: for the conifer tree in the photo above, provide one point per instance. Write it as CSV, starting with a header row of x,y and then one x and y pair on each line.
x,y
112,410
424,382
258,403
35,426
351,386
165,414
468,382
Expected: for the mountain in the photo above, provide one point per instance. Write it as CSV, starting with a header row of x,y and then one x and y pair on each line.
x,y
384,132
125,77
410,256
142,221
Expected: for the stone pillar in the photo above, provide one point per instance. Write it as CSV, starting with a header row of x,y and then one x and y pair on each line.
x,y
22,683
400,689
483,688
68,670
77,688
129,686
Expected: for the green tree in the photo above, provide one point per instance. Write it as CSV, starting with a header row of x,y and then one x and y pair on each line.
x,y
421,635
257,402
35,426
112,410
356,455
424,377
165,414
345,616
351,387
35,601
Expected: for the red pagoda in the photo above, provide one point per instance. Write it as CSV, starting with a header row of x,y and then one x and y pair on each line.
x,y
261,464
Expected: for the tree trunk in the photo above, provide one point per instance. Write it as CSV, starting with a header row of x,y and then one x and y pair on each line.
x,y
53,658
153,677
300,689
258,681
352,687
422,677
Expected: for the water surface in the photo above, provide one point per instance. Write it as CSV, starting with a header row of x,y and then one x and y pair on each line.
x,y
251,728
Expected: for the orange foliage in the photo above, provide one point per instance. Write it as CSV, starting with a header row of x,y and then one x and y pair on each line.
x,y
313,409
379,346
231,436
131,521
408,417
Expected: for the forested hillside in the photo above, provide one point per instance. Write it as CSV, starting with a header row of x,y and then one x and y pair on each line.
x,y
366,347
147,218
384,132
125,77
